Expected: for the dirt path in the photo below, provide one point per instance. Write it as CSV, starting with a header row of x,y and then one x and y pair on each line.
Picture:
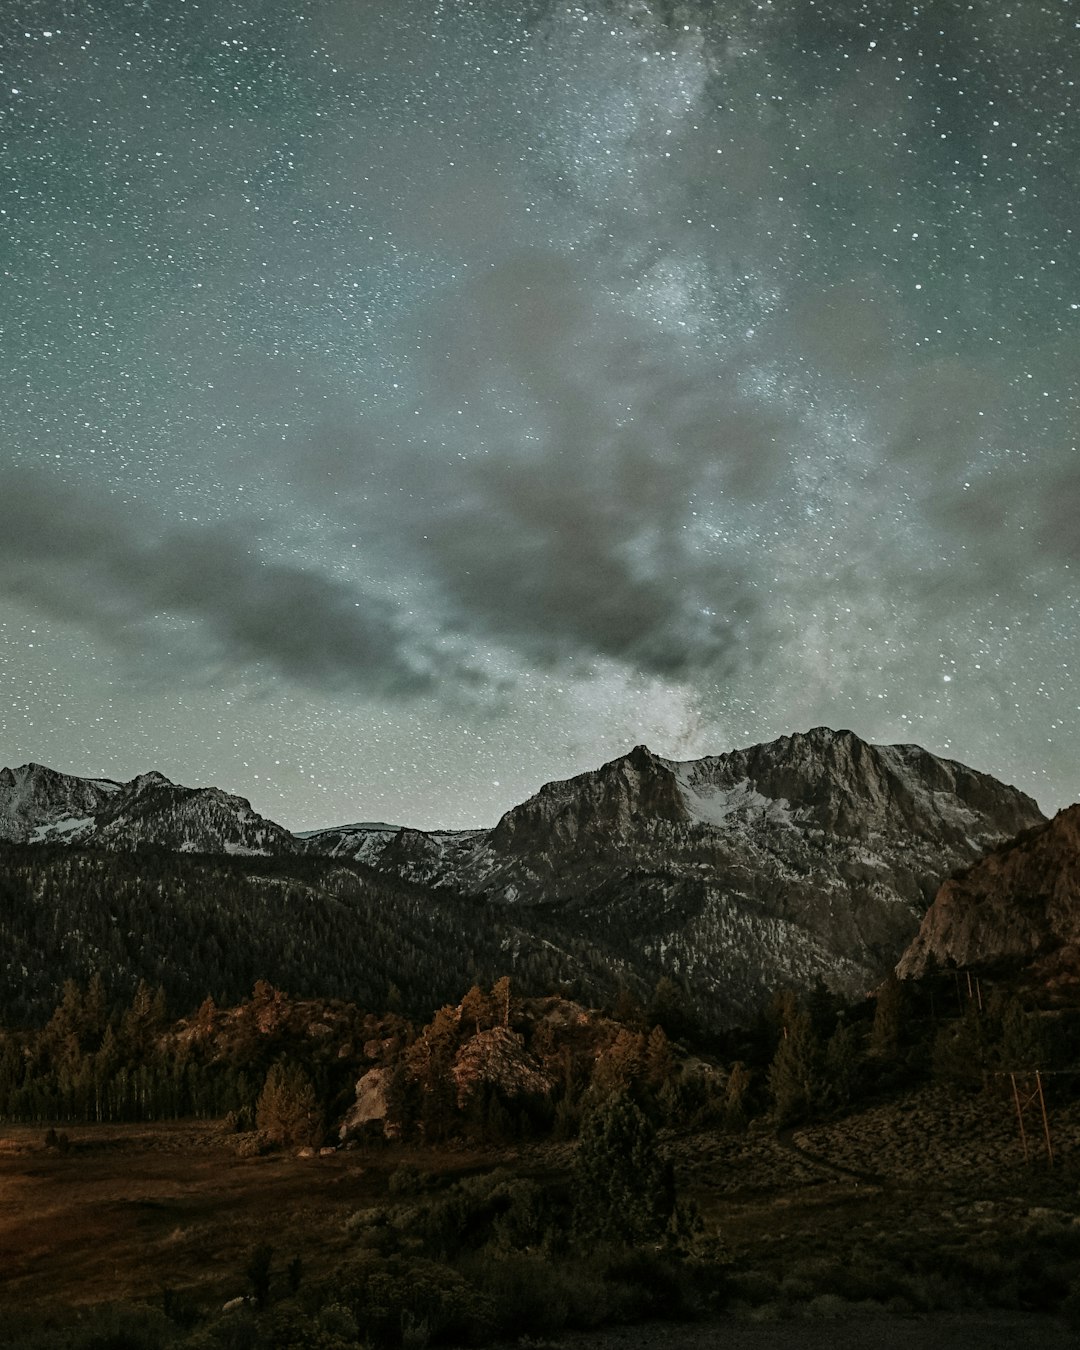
x,y
786,1139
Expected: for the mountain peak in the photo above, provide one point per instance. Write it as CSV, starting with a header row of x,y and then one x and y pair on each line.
x,y
39,805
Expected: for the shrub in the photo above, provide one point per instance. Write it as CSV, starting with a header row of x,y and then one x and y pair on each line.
x,y
383,1293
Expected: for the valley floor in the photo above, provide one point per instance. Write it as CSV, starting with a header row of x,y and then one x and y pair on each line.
x,y
922,1209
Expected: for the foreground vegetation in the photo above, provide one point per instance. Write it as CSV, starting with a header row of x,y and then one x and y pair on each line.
x,y
535,1167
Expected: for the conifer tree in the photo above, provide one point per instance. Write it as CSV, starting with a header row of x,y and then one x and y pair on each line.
x,y
287,1110
624,1191
795,1073
502,1001
669,1008
736,1096
888,1019
842,1063
659,1059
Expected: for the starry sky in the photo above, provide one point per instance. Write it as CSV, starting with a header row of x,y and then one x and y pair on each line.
x,y
407,402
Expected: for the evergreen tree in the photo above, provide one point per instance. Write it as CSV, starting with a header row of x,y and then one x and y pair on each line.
x,y
95,1007
842,1063
430,1061
888,1019
288,1110
795,1072
476,1011
824,1009
736,1097
502,1002
659,1059
669,1007
624,1191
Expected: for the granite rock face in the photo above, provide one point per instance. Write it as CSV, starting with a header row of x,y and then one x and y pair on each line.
x,y
1019,905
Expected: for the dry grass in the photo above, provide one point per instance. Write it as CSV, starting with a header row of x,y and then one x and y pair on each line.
x,y
129,1211
892,1208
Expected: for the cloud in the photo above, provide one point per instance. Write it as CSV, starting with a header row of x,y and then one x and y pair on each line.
x,y
570,484
82,557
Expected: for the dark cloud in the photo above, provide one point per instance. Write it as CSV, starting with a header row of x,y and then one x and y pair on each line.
x,y
85,558
582,521
567,487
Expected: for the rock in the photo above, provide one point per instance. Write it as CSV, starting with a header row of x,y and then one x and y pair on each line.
x,y
812,856
370,1106
1020,905
39,805
498,1058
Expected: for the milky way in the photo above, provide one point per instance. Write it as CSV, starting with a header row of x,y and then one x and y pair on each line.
x,y
407,402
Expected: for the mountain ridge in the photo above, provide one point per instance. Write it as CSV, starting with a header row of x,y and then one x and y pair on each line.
x,y
813,856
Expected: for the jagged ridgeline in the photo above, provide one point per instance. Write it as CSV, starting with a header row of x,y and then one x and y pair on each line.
x,y
813,857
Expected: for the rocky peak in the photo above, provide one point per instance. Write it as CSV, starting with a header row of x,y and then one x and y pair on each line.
x,y
39,803
835,781
146,781
612,801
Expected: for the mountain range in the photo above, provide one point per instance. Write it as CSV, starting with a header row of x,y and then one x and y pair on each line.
x,y
812,856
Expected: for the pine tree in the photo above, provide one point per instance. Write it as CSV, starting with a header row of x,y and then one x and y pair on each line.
x,y
95,1007
659,1059
624,1192
669,1008
736,1096
795,1073
430,1061
502,1001
620,1067
842,1063
888,1019
287,1110
476,1011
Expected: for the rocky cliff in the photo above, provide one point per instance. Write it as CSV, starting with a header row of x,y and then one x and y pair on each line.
x,y
1018,906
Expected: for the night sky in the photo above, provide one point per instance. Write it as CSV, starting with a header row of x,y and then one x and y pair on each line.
x,y
406,402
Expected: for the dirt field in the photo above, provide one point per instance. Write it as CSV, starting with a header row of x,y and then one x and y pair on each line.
x,y
131,1210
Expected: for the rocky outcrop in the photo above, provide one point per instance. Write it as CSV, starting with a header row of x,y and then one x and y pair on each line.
x,y
497,1058
38,804
370,1108
1018,906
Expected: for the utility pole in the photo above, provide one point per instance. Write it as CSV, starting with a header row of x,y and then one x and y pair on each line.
x,y
1024,1098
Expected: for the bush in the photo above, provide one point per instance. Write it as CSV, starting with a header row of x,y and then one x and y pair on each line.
x,y
390,1297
